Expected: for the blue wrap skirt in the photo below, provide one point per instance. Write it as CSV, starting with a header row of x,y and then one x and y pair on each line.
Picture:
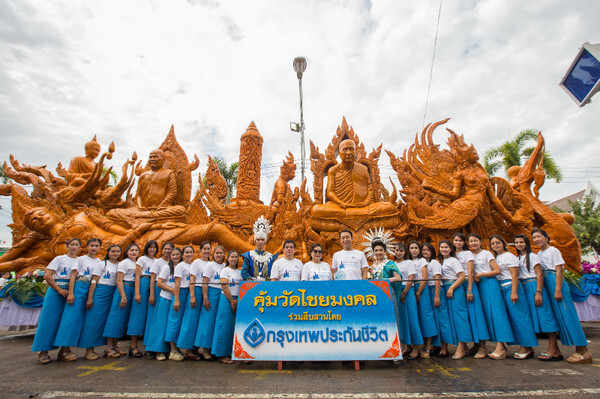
x,y
189,324
569,326
71,321
442,318
458,313
116,323
176,316
206,323
425,312
52,310
518,315
408,316
155,337
224,328
479,329
542,316
151,310
494,310
95,318
139,311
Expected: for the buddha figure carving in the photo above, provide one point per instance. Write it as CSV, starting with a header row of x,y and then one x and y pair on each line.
x,y
350,189
156,195
81,168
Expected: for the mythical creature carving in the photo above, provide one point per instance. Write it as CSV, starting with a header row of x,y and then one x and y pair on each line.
x,y
442,191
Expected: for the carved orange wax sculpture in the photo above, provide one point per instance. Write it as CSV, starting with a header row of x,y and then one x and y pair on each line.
x,y
443,191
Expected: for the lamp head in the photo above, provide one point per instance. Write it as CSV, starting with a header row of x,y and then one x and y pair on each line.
x,y
299,66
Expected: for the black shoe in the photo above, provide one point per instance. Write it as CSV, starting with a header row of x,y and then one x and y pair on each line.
x,y
443,354
149,355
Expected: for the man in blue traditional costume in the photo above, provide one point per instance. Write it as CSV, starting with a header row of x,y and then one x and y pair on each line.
x,y
258,262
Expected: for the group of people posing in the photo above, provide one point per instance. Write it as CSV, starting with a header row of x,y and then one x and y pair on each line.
x,y
184,306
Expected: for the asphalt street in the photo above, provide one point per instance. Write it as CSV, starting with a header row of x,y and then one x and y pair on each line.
x,y
23,377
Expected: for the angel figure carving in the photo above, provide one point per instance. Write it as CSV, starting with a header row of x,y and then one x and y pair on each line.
x,y
448,189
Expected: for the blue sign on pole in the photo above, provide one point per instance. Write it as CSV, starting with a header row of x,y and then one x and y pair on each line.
x,y
316,320
582,80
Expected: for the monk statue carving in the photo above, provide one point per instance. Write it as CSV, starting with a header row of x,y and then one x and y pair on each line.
x,y
156,196
350,189
81,168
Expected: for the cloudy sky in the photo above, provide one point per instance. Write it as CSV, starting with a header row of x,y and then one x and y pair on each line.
x,y
128,70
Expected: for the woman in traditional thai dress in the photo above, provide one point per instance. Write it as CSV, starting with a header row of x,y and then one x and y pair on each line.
x,y
424,305
189,324
407,304
440,304
316,269
181,294
453,277
571,333
116,324
71,321
211,292
532,280
100,295
486,269
139,307
231,278
166,282
57,276
154,293
514,299
477,322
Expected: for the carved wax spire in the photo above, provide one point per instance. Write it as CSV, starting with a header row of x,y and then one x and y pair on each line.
x,y
248,183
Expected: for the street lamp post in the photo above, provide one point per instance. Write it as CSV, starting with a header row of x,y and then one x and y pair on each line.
x,y
300,67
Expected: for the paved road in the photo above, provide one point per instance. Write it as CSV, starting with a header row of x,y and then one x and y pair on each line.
x,y
23,377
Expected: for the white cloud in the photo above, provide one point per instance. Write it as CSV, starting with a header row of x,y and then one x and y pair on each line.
x,y
128,70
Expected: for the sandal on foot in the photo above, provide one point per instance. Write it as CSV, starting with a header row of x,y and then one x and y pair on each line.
x,y
544,357
66,357
44,359
176,355
523,356
112,354
424,354
226,360
496,356
210,358
481,354
577,358
93,356
120,351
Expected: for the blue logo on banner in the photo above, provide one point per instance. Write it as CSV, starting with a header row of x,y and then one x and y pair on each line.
x,y
254,334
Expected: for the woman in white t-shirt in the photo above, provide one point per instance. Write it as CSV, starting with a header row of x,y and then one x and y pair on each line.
x,y
424,305
116,324
231,278
486,269
189,324
79,284
143,274
559,294
532,280
154,292
440,304
166,282
477,323
57,276
514,299
211,292
408,312
102,289
316,269
453,277
181,296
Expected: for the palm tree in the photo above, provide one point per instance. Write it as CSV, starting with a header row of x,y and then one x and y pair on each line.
x,y
3,178
513,151
230,173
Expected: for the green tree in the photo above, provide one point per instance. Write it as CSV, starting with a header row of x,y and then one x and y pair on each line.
x,y
3,178
513,151
587,223
230,173
113,176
